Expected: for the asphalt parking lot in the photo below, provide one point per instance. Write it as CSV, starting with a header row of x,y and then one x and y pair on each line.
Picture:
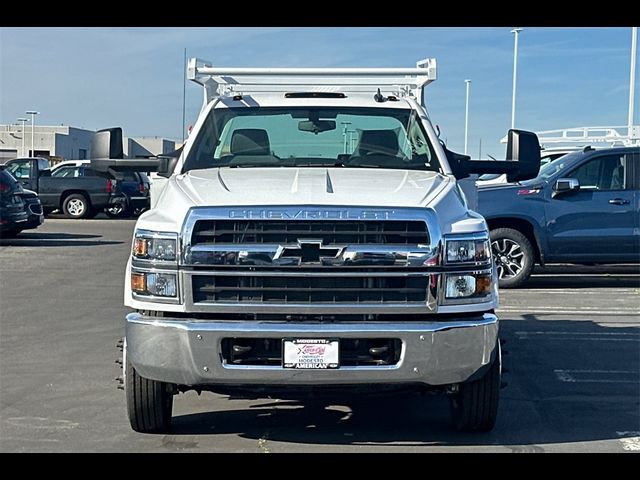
x,y
573,343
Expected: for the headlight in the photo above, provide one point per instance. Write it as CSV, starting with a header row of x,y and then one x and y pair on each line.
x,y
155,284
467,285
470,249
155,246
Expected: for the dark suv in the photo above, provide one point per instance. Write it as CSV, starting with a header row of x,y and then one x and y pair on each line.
x,y
19,209
583,208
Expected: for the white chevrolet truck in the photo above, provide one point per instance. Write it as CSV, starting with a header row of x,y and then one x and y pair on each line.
x,y
312,236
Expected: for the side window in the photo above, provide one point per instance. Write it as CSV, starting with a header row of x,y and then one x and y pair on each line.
x,y
63,172
20,169
602,173
43,164
419,145
88,172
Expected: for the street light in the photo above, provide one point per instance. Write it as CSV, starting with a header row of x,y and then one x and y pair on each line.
x,y
33,114
23,121
345,132
466,116
632,78
516,31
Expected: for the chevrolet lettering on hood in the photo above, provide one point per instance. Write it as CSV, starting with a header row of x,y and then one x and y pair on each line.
x,y
312,214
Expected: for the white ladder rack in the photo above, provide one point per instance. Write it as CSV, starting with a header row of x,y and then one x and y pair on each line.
x,y
230,81
610,136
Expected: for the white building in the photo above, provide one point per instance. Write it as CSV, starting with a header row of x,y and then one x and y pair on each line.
x,y
58,143
144,147
69,143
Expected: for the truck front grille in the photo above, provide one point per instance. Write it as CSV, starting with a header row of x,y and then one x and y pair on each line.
x,y
345,232
310,260
283,289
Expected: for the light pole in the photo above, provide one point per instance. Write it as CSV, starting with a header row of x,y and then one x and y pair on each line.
x,y
23,121
346,135
632,78
33,114
516,31
466,117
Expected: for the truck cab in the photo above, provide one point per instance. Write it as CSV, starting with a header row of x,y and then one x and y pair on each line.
x,y
312,235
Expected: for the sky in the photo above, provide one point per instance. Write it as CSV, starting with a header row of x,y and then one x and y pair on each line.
x,y
133,77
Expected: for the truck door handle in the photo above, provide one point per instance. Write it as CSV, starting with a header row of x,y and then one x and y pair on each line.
x,y
618,201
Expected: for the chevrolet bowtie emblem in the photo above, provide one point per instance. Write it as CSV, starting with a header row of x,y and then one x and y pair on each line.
x,y
310,251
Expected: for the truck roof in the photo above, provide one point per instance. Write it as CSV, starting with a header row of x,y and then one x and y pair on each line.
x,y
268,99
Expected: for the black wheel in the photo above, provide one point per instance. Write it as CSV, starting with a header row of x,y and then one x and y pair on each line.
x,y
513,255
118,211
149,402
475,407
76,205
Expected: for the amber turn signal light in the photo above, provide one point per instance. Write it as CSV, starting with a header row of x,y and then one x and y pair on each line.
x,y
138,282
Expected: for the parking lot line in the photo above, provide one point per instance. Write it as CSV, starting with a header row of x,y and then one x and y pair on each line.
x,y
581,336
563,311
578,376
552,332
573,275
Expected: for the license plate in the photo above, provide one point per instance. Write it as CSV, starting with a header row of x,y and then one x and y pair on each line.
x,y
313,354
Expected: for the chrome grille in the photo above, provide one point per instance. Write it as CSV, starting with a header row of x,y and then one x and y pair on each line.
x,y
373,232
282,289
304,260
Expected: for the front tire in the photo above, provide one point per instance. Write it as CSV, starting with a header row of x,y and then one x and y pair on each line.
x,y
513,256
76,205
475,407
149,402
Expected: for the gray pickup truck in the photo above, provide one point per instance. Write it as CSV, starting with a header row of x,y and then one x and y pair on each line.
x,y
77,191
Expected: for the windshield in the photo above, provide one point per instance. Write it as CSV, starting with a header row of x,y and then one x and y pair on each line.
x,y
550,169
312,137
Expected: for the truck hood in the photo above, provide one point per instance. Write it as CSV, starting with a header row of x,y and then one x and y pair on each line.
x,y
303,186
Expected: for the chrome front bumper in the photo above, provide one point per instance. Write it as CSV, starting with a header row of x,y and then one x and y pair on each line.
x,y
188,352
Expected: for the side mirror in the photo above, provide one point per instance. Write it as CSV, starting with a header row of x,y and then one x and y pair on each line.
x,y
107,143
45,173
107,155
523,159
564,185
524,148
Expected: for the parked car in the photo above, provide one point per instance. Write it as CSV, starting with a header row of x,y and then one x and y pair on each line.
x,y
70,163
17,206
34,209
583,208
135,187
76,190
